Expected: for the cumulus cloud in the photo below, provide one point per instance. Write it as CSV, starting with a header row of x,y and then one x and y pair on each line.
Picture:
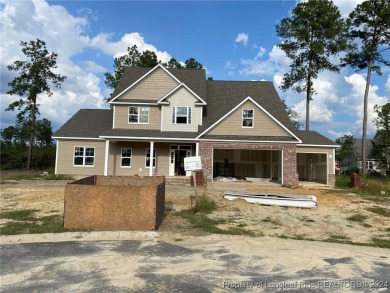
x,y
67,35
119,48
242,38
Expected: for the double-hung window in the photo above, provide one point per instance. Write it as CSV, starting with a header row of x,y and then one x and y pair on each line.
x,y
147,158
181,115
84,156
247,118
126,157
138,115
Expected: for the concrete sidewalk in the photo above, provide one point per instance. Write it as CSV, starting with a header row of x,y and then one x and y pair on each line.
x,y
163,262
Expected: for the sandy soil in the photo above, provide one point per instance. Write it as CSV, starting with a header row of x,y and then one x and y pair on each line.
x,y
328,219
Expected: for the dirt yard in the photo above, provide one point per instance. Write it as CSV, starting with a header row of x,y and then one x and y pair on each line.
x,y
329,220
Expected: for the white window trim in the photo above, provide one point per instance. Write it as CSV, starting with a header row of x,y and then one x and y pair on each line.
x,y
131,158
189,115
253,118
138,115
83,165
155,157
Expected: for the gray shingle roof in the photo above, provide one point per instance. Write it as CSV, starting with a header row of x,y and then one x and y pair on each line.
x,y
313,137
86,123
222,97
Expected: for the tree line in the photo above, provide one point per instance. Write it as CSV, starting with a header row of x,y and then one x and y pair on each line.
x,y
313,37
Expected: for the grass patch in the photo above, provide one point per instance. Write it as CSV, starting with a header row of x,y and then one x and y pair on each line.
x,y
198,219
357,218
306,219
241,225
380,211
204,205
376,189
33,176
339,237
272,221
25,222
383,243
19,215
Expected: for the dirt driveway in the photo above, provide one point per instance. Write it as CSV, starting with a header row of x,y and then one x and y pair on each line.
x,y
331,220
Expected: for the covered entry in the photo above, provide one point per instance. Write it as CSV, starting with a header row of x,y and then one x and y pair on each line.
x,y
248,163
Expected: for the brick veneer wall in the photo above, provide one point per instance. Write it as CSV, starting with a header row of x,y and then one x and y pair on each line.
x,y
290,176
332,180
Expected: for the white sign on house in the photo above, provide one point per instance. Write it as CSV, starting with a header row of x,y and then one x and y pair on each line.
x,y
192,163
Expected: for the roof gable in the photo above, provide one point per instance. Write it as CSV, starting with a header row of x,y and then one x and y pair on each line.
x,y
231,122
151,86
164,100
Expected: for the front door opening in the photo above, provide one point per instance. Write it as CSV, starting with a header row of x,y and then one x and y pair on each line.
x,y
179,162
178,153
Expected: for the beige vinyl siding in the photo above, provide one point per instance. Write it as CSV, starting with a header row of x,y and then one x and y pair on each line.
x,y
263,125
65,157
153,87
122,118
138,158
321,150
181,98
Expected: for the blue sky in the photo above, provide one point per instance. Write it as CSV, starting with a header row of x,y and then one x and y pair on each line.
x,y
233,40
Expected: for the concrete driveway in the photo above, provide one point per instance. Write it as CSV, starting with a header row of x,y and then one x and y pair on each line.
x,y
159,262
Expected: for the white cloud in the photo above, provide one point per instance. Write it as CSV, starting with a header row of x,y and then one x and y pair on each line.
x,y
356,99
242,38
345,6
338,134
63,34
388,86
119,48
261,52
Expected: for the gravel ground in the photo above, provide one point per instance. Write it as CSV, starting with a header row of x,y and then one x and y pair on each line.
x,y
329,219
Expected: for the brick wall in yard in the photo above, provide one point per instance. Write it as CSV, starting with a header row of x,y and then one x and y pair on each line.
x,y
290,176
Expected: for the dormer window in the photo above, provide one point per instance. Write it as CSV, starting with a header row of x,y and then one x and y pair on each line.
x,y
181,115
247,118
138,115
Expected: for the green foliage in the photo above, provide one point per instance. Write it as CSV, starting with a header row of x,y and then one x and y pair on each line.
x,y
34,76
204,205
380,211
357,218
381,142
315,32
192,63
345,154
25,222
369,30
294,115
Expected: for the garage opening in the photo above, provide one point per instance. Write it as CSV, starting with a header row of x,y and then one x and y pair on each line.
x,y
240,164
312,167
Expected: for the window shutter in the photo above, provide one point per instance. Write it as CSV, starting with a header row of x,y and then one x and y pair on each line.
x,y
174,115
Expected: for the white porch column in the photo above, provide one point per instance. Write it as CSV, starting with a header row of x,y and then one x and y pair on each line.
x,y
197,149
151,158
106,158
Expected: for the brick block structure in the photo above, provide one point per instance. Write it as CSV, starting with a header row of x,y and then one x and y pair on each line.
x,y
289,157
115,203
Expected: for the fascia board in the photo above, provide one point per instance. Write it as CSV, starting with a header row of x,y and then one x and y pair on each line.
x,y
318,146
76,138
248,141
147,138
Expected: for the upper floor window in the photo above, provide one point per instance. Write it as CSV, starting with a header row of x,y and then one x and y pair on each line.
x,y
84,156
139,115
181,115
247,118
126,157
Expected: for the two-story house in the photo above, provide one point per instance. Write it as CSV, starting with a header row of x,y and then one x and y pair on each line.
x,y
159,116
